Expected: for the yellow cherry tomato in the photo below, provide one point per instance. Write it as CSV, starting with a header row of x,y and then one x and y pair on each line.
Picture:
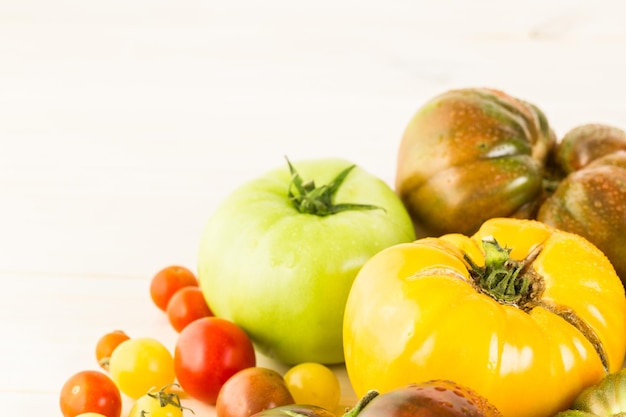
x,y
315,384
524,314
139,364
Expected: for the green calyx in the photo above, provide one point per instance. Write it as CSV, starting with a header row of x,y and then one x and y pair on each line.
x,y
307,198
502,278
165,398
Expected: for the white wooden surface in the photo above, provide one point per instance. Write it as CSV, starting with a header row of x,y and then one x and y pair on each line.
x,y
124,123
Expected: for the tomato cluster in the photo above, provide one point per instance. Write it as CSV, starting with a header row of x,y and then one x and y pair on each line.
x,y
214,361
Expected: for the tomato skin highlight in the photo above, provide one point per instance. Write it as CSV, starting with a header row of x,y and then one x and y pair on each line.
x,y
208,352
90,391
415,313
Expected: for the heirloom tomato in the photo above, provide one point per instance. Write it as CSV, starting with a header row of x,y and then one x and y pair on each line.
x,y
591,199
279,255
469,155
605,399
523,313
435,398
586,143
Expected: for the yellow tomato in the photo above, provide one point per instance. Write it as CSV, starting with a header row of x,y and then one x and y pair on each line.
x,y
522,313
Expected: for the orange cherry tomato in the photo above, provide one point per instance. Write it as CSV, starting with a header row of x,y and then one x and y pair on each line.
x,y
169,280
186,305
107,344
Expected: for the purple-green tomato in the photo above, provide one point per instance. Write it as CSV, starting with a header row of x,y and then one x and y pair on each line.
x,y
280,253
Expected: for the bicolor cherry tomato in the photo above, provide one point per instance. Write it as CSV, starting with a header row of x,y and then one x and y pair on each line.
x,y
250,391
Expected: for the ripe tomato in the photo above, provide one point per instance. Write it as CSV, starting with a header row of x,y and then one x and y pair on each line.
x,y
139,364
314,383
90,391
169,280
252,390
157,403
186,305
91,415
208,352
107,344
525,314
439,398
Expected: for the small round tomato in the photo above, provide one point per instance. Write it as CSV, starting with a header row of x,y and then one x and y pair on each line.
x,y
186,305
314,383
169,280
107,344
91,415
208,352
139,364
90,391
158,403
250,391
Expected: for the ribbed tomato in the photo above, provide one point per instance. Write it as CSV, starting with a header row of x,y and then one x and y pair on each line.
x,y
524,314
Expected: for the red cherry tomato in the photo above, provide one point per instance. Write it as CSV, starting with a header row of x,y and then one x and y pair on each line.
x,y
90,391
169,280
186,305
208,352
107,344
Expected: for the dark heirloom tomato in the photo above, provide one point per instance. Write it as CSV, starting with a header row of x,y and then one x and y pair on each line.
x,y
472,154
591,202
585,143
435,398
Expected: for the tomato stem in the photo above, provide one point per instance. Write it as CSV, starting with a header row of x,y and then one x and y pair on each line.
x,y
360,405
310,199
502,277
168,398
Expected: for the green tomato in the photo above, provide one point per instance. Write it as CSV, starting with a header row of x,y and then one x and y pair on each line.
x,y
605,399
279,255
